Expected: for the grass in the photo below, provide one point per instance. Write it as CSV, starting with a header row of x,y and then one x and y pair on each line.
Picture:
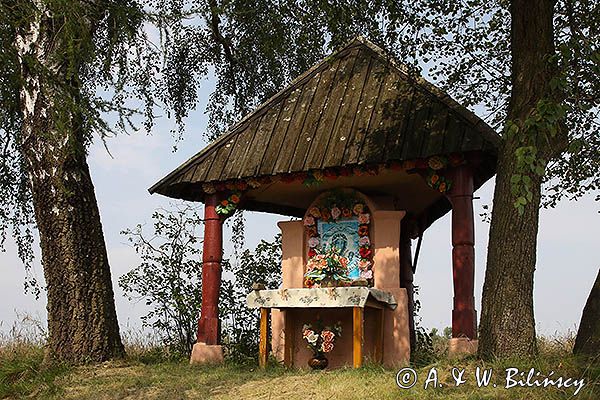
x,y
149,373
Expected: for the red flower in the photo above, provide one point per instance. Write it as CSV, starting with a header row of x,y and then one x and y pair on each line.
x,y
311,231
345,171
330,174
363,230
224,203
365,252
235,198
325,214
312,252
230,185
288,178
421,163
346,213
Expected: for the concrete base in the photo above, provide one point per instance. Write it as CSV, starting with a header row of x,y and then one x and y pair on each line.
x,y
203,353
461,347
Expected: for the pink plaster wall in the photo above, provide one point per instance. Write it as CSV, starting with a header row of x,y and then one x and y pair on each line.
x,y
385,236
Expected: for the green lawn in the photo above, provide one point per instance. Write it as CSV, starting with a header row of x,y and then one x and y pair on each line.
x,y
142,377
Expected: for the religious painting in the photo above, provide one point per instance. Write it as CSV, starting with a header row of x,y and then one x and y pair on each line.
x,y
343,235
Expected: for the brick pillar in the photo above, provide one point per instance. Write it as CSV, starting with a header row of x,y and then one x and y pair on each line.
x,y
464,316
209,324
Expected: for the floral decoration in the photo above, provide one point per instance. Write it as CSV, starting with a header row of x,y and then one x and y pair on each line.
x,y
335,207
316,177
321,340
227,206
326,268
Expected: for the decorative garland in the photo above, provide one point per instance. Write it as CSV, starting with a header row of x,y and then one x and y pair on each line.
x,y
227,206
434,178
337,206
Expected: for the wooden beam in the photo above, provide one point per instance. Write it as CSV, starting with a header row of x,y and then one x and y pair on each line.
x,y
379,324
357,341
264,337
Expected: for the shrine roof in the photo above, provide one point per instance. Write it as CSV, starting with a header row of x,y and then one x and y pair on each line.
x,y
355,107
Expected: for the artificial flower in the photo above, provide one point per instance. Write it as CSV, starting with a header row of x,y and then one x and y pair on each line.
x,y
224,203
364,241
410,164
327,335
230,185
365,252
326,347
315,212
434,178
336,212
364,265
312,338
330,174
318,175
368,274
307,332
346,213
309,220
364,219
234,198
311,230
253,183
436,163
363,230
208,188
325,214
358,208
312,252
313,242
442,187
241,185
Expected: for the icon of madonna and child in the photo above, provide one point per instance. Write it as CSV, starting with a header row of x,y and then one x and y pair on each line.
x,y
343,235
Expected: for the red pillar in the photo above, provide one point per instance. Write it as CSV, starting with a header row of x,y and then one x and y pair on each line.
x,y
209,325
464,316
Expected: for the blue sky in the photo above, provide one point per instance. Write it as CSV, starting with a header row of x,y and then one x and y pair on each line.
x,y
567,243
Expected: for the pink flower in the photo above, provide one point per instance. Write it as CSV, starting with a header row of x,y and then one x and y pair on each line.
x,y
363,265
309,221
326,347
364,241
336,212
307,332
364,218
327,336
313,242
368,274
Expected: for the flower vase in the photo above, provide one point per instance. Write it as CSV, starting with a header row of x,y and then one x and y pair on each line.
x,y
318,361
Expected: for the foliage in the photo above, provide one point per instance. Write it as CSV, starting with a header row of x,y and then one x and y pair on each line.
x,y
169,281
240,324
169,278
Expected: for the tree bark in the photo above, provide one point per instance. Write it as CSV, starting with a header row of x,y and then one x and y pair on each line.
x,y
82,321
507,326
588,334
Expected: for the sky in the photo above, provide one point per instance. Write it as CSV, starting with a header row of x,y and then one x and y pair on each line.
x,y
568,239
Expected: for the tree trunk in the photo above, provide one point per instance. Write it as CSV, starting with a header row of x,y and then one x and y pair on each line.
x,y
588,334
82,321
507,326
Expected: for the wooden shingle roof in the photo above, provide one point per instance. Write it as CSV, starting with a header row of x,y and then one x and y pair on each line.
x,y
355,107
